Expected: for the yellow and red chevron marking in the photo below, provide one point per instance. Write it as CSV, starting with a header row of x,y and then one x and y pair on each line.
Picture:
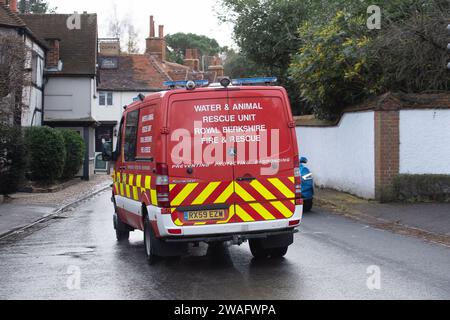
x,y
192,194
134,187
260,200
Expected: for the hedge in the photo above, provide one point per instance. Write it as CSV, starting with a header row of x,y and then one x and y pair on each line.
x,y
47,154
422,188
75,150
12,158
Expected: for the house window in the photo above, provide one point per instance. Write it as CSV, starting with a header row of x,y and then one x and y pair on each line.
x,y
105,98
131,128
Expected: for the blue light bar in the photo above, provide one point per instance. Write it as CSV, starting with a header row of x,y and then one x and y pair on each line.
x,y
182,83
249,81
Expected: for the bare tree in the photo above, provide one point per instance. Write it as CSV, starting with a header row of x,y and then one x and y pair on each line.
x,y
12,76
115,25
123,29
132,38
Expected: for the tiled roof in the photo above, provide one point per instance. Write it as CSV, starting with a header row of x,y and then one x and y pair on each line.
x,y
136,72
10,19
144,72
78,47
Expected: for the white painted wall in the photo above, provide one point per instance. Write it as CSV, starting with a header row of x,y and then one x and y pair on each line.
x,y
342,157
425,141
114,112
68,99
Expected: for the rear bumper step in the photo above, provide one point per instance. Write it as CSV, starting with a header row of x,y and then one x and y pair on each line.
x,y
235,237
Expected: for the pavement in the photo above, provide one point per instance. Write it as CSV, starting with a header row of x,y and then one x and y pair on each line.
x,y
429,221
333,257
23,209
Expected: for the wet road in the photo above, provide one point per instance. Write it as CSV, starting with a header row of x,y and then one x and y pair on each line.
x,y
329,260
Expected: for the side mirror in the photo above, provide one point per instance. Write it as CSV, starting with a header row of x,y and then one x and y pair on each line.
x,y
303,160
107,154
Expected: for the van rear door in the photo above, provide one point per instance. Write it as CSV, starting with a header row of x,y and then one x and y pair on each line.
x,y
201,183
265,148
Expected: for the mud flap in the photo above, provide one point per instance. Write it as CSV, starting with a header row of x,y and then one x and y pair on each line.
x,y
169,249
277,241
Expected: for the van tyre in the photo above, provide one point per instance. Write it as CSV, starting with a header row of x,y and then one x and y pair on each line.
x,y
307,205
278,252
149,242
122,230
257,250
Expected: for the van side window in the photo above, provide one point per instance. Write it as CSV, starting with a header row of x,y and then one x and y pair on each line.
x,y
119,138
131,127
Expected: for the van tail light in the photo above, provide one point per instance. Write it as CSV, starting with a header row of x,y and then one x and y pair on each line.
x,y
298,181
162,186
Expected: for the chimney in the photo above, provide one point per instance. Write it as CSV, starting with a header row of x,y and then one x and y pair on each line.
x,y
152,27
53,53
191,59
12,4
217,67
156,46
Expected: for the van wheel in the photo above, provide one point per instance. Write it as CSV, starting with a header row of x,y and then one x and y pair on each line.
x,y
122,230
307,205
149,242
278,252
257,250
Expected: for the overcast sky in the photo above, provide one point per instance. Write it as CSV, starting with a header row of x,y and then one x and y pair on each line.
x,y
196,16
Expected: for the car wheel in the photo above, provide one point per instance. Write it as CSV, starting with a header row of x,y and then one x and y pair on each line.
x,y
307,205
257,250
149,242
122,230
278,252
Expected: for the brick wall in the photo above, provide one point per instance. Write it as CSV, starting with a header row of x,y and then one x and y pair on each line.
x,y
387,152
53,53
410,134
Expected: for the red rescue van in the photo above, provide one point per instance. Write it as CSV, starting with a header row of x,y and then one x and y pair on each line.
x,y
210,164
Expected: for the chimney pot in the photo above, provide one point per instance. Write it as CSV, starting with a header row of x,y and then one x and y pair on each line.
x,y
152,27
13,5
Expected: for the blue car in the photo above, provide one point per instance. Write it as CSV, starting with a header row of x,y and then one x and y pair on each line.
x,y
307,185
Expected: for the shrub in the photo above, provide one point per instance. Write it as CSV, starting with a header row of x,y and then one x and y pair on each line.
x,y
47,154
332,67
75,149
426,187
12,158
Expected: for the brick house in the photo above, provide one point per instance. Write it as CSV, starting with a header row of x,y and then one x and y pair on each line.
x,y
28,99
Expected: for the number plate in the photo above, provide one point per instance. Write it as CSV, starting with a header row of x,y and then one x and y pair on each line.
x,y
204,215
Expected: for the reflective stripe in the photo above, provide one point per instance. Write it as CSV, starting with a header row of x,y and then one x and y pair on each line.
x,y
282,208
148,182
243,215
262,211
206,193
184,194
282,188
226,194
262,190
243,194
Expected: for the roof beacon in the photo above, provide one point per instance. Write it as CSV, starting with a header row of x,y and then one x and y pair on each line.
x,y
253,81
190,85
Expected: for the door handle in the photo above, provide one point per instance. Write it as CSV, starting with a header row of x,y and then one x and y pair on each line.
x,y
246,179
122,168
